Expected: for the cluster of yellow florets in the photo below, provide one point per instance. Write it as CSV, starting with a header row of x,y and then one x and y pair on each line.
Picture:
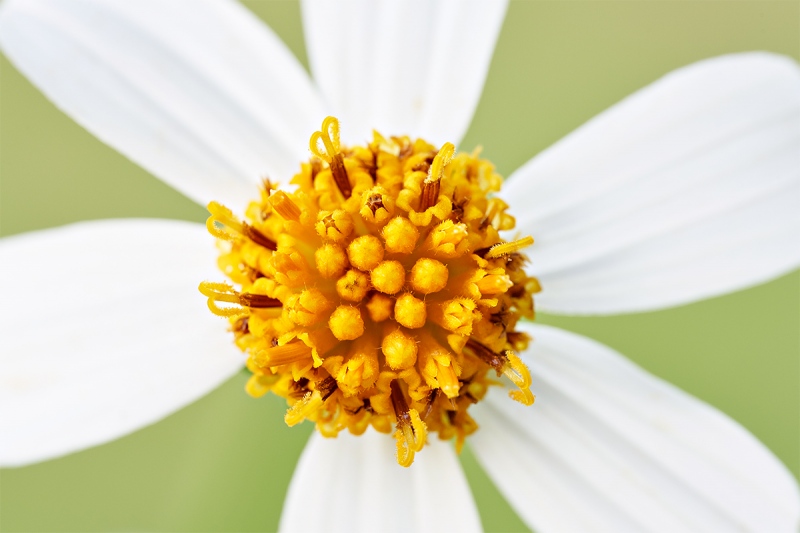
x,y
379,293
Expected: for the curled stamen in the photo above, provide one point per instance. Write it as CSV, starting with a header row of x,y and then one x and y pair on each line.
x,y
505,248
431,185
511,366
223,225
519,374
222,292
330,152
411,430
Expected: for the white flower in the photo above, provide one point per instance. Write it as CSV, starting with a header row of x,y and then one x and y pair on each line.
x,y
686,190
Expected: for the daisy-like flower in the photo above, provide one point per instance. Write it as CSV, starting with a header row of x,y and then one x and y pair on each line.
x,y
686,190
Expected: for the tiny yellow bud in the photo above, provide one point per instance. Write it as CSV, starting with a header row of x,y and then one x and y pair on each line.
x,y
331,260
399,349
388,277
494,284
410,311
365,252
400,236
428,276
379,307
346,323
353,286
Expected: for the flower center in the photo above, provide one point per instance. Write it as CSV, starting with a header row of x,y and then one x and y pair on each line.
x,y
379,293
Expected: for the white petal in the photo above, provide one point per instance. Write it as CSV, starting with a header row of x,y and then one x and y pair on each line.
x,y
198,92
354,484
413,67
609,447
688,189
103,331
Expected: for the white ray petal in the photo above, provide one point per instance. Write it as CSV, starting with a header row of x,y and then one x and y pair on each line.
x,y
609,447
103,331
354,485
413,67
688,189
198,92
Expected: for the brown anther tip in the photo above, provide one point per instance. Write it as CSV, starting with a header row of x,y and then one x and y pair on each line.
x,y
259,301
494,360
399,404
259,238
326,387
429,195
339,173
375,202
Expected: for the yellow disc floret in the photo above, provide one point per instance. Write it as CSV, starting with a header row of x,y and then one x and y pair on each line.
x,y
378,293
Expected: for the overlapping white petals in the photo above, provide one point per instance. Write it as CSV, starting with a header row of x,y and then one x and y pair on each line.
x,y
609,447
403,67
102,332
354,485
198,92
688,189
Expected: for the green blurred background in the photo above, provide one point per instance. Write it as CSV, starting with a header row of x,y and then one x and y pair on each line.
x,y
223,464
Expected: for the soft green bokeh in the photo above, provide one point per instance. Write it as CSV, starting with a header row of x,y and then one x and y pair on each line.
x,y
223,464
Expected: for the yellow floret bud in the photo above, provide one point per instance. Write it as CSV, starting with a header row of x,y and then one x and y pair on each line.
x,y
331,260
410,311
429,276
365,252
400,236
346,323
353,286
336,225
399,349
388,277
307,307
448,239
379,307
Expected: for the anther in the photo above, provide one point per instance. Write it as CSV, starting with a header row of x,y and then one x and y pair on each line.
x,y
501,249
284,206
329,135
293,352
431,185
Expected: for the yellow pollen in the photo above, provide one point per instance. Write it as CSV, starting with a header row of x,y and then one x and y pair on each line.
x,y
353,286
400,236
346,323
330,260
388,277
429,276
378,292
410,311
400,350
365,252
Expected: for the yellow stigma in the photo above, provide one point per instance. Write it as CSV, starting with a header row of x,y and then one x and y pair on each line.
x,y
380,292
